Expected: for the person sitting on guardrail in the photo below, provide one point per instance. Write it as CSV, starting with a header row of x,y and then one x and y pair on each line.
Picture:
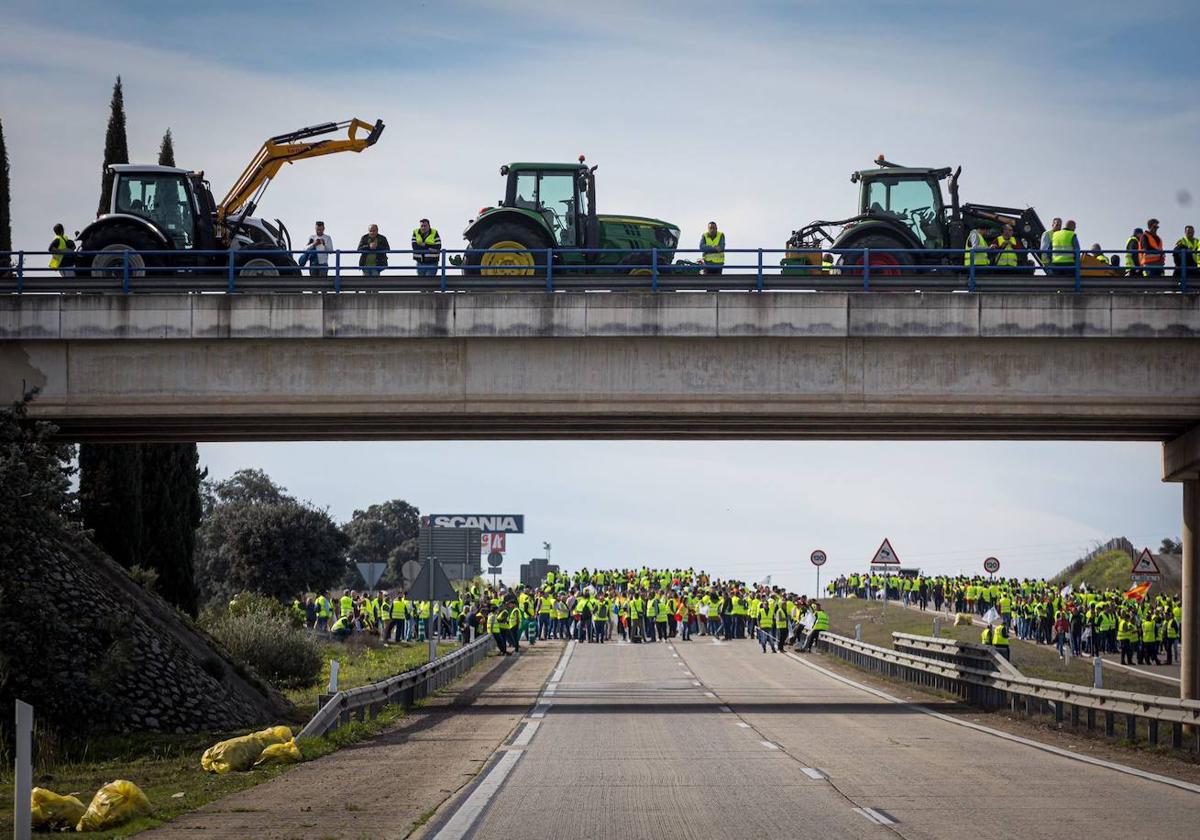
x,y
820,625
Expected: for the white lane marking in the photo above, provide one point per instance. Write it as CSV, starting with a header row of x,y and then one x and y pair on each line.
x,y
695,683
727,710
813,773
743,725
769,745
688,674
882,819
458,825
527,733
1016,739
676,655
710,694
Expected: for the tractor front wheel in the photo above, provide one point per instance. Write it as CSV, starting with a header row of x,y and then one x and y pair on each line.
x,y
506,249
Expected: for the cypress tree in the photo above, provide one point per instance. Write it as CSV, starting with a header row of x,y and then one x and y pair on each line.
x,y
171,509
166,152
110,498
5,209
116,144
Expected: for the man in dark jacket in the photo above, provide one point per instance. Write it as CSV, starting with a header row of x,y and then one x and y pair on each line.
x,y
373,248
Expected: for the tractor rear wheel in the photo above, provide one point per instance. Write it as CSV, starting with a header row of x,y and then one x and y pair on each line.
x,y
507,249
117,245
885,260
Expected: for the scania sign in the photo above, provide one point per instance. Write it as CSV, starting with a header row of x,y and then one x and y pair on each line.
x,y
496,523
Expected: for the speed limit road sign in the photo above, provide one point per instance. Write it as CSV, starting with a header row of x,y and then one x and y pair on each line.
x,y
818,557
991,565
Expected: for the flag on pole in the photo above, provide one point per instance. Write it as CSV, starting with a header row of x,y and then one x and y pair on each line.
x,y
1066,590
991,616
1138,593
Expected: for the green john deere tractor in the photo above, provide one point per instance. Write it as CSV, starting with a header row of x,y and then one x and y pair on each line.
x,y
549,209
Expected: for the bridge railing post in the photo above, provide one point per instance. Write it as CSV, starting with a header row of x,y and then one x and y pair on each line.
x,y
549,270
20,271
1183,273
760,270
1079,273
125,271
231,287
442,268
654,269
337,271
971,271
866,264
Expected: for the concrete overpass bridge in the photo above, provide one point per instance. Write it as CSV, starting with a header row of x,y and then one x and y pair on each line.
x,y
623,364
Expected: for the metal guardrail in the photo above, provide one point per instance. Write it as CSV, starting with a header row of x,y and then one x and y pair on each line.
x,y
746,269
402,690
993,690
952,650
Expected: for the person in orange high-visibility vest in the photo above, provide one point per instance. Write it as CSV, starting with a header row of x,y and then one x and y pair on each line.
x,y
1150,250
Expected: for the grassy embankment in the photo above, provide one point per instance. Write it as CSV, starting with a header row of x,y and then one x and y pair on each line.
x,y
1040,661
164,764
1110,570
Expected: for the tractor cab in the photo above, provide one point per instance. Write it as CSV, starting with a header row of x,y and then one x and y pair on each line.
x,y
907,196
164,199
561,196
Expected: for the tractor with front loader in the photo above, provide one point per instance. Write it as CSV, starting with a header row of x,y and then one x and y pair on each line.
x,y
171,210
905,222
549,212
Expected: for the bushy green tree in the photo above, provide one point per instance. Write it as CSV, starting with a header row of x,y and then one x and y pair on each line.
x,y
257,538
116,144
384,533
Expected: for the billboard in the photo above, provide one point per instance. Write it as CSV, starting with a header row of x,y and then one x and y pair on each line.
x,y
496,523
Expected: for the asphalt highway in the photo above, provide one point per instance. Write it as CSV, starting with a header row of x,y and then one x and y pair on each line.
x,y
703,739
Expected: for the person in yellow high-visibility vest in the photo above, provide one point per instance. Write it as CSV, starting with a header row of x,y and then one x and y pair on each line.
x,y
61,250
712,249
1006,244
975,252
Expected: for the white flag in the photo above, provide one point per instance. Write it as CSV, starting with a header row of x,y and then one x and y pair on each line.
x,y
1066,590
991,616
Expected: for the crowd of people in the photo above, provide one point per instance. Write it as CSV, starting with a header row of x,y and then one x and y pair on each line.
x,y
1143,629
597,606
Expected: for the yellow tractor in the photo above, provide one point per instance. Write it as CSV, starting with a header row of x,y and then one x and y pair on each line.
x,y
162,208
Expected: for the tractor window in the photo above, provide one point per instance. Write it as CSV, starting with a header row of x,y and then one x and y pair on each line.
x,y
556,203
911,202
526,196
162,199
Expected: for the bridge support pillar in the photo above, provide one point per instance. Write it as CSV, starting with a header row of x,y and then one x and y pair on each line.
x,y
1189,636
1181,462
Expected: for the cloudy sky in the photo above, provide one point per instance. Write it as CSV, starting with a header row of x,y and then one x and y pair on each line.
x,y
752,114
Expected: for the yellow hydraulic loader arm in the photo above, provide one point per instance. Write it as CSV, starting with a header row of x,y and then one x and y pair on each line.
x,y
243,196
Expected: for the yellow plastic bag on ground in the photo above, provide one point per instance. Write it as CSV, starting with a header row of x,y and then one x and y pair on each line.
x,y
962,620
51,810
241,753
114,804
285,753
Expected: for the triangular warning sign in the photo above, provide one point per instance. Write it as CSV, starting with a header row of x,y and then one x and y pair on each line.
x,y
442,590
1145,564
886,555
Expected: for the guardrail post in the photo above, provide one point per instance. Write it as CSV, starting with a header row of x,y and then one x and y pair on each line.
x,y
937,628
1130,727
971,272
549,270
1079,274
858,632
337,271
232,287
23,777
760,271
1152,726
1183,284
1176,736
442,269
1098,673
654,269
1091,719
1110,724
1074,715
866,264
125,271
20,271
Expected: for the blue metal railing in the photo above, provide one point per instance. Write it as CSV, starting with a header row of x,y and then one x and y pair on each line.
x,y
655,269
